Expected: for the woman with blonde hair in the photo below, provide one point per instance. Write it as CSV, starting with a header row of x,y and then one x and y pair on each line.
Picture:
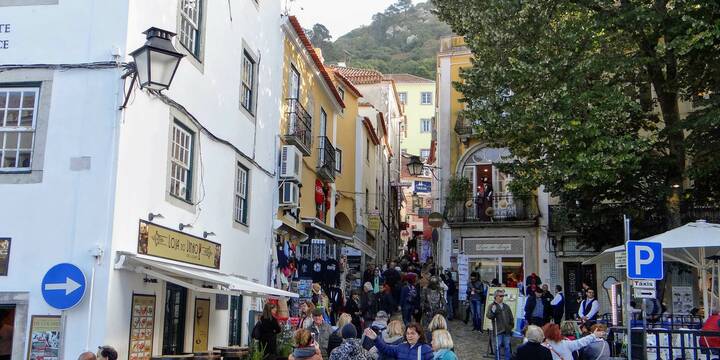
x,y
336,337
305,347
438,322
442,345
393,335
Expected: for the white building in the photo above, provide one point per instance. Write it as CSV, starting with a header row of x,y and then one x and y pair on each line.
x,y
79,177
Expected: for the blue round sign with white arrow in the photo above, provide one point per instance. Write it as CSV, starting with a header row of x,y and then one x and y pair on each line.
x,y
63,286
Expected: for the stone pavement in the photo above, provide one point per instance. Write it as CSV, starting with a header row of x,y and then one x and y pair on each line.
x,y
472,345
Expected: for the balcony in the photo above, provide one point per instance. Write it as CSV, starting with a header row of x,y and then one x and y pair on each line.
x,y
466,128
500,210
326,159
299,127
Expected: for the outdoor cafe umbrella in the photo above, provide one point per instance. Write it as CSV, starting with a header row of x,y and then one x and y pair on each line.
x,y
690,244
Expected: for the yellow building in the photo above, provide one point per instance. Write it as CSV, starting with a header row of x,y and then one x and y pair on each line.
x,y
310,161
418,98
503,235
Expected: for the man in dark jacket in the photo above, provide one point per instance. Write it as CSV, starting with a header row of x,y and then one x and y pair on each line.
x,y
537,309
503,323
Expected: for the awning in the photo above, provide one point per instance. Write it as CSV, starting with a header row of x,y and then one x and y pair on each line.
x,y
331,231
294,233
364,247
184,275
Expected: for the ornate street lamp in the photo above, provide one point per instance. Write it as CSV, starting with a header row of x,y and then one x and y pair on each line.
x,y
415,166
157,60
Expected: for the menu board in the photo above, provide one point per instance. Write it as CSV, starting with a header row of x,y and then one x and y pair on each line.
x,y
44,338
142,324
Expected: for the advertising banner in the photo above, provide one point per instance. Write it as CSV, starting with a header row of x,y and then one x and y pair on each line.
x,y
142,321
44,338
156,240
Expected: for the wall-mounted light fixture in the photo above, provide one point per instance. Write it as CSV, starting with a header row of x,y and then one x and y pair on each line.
x,y
152,216
415,166
155,62
184,226
206,234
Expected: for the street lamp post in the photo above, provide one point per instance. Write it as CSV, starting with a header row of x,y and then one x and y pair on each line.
x,y
415,166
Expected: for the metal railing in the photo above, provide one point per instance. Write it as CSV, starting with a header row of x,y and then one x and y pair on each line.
x,y
664,344
326,159
496,208
465,126
299,126
666,321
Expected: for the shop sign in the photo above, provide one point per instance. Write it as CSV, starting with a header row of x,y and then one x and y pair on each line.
x,y
159,241
620,260
5,29
44,338
201,325
374,222
423,212
493,247
350,251
142,321
4,256
423,186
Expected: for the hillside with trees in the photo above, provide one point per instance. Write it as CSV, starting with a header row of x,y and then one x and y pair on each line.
x,y
402,39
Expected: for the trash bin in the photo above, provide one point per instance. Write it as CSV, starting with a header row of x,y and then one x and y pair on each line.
x,y
637,342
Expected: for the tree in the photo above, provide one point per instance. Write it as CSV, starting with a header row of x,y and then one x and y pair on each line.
x,y
585,93
319,35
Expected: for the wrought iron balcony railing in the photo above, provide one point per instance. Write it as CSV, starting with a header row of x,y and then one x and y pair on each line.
x,y
496,208
466,127
299,127
326,159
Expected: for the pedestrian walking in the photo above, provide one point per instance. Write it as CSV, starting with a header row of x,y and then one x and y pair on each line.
x,y
351,347
562,349
589,308
558,305
268,328
537,308
442,345
352,307
438,322
306,311
394,334
475,295
598,349
368,304
88,355
533,348
387,300
413,348
336,338
433,301
452,293
305,347
409,299
503,323
107,352
321,330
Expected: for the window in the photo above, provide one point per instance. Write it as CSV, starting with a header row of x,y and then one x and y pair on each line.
x,y
426,98
294,90
323,122
18,108
181,164
248,78
241,194
425,125
341,92
338,160
424,154
190,17
367,149
367,200
403,98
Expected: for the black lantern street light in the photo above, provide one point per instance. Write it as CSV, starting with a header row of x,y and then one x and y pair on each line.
x,y
155,62
415,166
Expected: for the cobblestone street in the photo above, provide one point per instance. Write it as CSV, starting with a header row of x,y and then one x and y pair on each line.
x,y
468,344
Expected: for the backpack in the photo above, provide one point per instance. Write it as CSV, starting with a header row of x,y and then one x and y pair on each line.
x,y
435,302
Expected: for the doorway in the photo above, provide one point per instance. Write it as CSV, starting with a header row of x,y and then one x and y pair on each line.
x,y
7,324
507,271
575,274
174,326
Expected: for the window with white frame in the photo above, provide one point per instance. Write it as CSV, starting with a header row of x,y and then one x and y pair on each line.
x,y
241,194
18,113
403,97
425,125
181,163
424,154
190,17
248,79
426,98
338,160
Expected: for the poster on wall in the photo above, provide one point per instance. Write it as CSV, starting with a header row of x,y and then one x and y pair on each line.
x,y
463,275
682,299
142,322
44,338
4,255
202,325
512,298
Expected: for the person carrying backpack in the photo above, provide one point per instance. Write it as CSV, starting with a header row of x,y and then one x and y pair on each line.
x,y
433,302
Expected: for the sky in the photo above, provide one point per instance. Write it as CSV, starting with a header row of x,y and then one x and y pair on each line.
x,y
339,16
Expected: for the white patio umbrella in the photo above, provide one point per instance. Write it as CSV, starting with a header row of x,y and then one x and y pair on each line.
x,y
689,244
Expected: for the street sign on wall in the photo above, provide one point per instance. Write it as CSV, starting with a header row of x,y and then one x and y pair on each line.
x,y
423,186
620,260
63,286
644,260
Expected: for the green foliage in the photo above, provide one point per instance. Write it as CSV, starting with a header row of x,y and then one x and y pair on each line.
x,y
459,188
566,86
257,351
403,39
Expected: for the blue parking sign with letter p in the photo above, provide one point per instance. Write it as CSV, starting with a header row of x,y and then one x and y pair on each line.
x,y
644,260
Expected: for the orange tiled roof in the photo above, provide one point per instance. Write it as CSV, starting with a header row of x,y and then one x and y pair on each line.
x,y
348,83
407,78
360,76
316,59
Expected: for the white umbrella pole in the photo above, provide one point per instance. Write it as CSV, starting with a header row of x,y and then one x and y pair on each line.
x,y
703,288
